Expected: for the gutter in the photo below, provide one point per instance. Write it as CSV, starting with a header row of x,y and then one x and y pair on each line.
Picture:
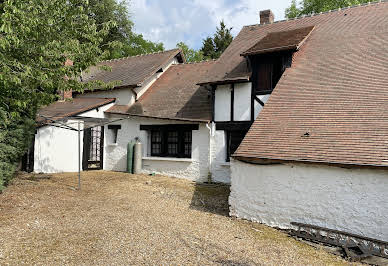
x,y
266,161
162,118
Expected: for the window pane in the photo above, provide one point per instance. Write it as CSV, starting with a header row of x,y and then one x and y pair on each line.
x,y
187,136
187,149
187,143
172,148
156,143
156,148
172,136
156,136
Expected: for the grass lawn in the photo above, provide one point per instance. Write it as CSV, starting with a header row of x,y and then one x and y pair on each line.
x,y
118,219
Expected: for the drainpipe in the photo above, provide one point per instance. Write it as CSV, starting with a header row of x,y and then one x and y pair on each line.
x,y
211,134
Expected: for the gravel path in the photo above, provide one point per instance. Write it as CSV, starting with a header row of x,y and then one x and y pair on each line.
x,y
122,219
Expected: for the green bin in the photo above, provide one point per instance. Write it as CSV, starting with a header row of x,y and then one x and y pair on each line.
x,y
130,149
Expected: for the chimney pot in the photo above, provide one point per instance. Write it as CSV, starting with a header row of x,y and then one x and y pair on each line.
x,y
266,17
68,62
64,95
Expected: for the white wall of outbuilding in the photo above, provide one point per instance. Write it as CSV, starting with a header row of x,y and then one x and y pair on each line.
x,y
351,200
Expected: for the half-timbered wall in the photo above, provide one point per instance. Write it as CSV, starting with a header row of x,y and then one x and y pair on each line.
x,y
222,100
242,101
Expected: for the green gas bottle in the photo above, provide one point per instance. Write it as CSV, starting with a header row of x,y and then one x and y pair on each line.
x,y
130,149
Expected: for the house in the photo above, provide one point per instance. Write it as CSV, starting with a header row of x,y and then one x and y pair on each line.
x,y
55,147
293,114
317,152
158,101
171,119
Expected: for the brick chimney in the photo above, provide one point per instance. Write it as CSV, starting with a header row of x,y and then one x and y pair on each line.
x,y
63,95
266,17
66,95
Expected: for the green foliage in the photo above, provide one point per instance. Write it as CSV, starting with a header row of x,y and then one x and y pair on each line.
x,y
36,38
190,54
307,7
128,43
136,44
213,47
15,135
292,11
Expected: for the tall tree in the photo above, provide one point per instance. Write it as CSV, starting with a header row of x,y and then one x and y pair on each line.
x,y
213,47
127,42
191,55
36,38
307,7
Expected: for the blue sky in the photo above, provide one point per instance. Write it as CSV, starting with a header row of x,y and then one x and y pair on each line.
x,y
172,21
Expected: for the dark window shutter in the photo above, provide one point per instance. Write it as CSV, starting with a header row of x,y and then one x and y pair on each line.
x,y
264,81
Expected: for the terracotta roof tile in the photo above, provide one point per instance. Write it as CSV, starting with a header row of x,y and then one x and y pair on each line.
x,y
63,109
331,106
175,95
131,71
280,41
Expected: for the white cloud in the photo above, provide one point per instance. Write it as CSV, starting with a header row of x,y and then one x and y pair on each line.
x,y
172,21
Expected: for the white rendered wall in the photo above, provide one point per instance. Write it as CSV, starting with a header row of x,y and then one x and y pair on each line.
x,y
195,168
258,107
242,101
56,149
222,103
123,96
220,169
97,112
351,200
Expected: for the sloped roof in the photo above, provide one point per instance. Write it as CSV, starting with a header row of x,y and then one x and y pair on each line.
x,y
132,71
331,106
175,95
63,109
280,41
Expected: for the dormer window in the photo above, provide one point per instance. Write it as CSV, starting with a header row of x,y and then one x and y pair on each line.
x,y
267,71
270,57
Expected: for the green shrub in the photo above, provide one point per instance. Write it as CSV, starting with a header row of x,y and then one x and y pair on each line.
x,y
15,136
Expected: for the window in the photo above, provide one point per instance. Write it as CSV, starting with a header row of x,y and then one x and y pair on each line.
x,y
156,142
264,80
114,130
170,140
187,143
234,139
268,69
171,143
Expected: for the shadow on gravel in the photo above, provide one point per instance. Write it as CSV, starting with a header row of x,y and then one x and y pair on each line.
x,y
211,197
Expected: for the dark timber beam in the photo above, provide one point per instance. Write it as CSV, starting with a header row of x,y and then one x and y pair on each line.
x,y
171,127
259,101
233,126
213,92
232,102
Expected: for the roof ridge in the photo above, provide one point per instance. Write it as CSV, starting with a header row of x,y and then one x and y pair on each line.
x,y
193,63
321,13
126,57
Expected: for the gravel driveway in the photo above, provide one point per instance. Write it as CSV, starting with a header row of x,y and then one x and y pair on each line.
x,y
121,219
